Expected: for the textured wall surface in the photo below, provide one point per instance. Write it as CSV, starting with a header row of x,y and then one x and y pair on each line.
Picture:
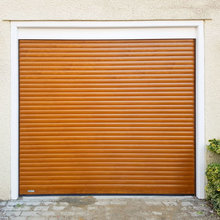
x,y
57,10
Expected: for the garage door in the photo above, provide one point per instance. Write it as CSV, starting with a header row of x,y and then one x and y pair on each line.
x,y
107,116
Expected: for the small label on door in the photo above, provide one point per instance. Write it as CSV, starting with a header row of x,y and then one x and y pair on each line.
x,y
31,190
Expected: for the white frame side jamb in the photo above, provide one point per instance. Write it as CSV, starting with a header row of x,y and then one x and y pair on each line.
x,y
200,114
148,29
14,114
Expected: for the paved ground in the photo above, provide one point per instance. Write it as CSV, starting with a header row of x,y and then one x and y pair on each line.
x,y
106,208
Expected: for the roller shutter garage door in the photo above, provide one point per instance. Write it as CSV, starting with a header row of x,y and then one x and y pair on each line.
x,y
107,116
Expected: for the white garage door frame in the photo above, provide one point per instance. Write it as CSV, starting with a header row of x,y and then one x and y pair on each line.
x,y
109,30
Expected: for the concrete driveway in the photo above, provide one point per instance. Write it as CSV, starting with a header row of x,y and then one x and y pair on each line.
x,y
106,208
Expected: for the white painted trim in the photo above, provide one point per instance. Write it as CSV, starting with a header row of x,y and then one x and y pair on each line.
x,y
93,30
105,30
107,33
200,114
14,113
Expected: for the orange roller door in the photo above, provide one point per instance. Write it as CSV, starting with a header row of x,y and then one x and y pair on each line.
x,y
107,116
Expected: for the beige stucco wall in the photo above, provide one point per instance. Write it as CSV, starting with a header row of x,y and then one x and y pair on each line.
x,y
31,10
